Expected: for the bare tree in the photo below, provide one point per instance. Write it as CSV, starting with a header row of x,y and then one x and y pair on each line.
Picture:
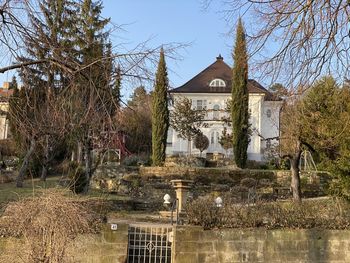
x,y
294,41
80,103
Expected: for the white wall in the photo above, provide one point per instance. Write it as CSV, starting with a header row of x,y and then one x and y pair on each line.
x,y
271,122
261,125
4,106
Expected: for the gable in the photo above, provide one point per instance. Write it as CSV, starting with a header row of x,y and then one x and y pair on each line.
x,y
218,70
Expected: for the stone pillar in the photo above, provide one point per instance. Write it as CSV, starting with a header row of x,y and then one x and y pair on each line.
x,y
182,188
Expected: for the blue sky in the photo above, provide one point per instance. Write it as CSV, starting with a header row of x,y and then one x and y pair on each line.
x,y
166,21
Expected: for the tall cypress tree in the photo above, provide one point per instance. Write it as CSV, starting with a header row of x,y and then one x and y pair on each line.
x,y
160,113
239,109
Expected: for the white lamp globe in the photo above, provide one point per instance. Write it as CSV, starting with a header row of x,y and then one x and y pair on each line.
x,y
218,201
166,199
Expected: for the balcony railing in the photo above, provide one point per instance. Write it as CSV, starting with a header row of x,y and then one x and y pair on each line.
x,y
216,115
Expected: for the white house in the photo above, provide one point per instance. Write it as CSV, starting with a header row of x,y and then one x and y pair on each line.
x,y
5,94
210,90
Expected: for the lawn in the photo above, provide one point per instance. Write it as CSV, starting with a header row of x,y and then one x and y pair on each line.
x,y
9,191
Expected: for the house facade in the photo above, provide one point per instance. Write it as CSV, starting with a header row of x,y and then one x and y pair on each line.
x,y
5,94
210,90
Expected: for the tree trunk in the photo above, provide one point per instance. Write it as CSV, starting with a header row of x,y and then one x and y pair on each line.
x,y
189,147
46,160
88,163
43,173
295,183
22,171
72,158
79,153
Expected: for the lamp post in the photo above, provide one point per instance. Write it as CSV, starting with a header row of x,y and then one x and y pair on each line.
x,y
174,206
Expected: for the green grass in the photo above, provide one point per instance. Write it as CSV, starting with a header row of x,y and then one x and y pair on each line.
x,y
9,192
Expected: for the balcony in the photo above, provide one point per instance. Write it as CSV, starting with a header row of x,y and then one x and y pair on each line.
x,y
216,115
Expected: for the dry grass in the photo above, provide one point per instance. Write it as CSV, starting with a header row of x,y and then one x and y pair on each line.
x,y
47,224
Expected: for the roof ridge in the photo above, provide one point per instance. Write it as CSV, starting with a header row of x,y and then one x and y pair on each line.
x,y
217,61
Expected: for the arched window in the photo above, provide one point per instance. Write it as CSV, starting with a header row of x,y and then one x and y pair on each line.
x,y
217,83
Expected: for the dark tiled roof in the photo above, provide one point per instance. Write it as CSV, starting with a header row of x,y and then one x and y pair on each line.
x,y
219,69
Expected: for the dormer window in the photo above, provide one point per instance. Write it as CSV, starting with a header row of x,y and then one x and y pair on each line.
x,y
217,83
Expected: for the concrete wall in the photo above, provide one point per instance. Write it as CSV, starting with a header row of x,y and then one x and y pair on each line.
x,y
192,244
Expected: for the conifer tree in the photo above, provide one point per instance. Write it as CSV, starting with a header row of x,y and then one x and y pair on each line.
x,y
42,82
160,113
92,91
239,109
13,83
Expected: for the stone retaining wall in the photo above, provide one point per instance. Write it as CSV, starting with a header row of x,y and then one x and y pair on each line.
x,y
193,244
107,247
279,176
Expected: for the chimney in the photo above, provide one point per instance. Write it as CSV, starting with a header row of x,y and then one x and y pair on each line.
x,y
6,85
220,57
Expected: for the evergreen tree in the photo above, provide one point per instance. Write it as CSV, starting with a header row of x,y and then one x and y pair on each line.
x,y
17,104
201,142
116,85
42,82
92,96
136,121
160,113
13,83
239,109
186,120
226,140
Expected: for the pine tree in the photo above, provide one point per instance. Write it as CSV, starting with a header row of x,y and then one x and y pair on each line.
x,y
160,113
239,109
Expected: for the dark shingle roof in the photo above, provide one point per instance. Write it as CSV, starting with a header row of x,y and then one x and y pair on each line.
x,y
219,69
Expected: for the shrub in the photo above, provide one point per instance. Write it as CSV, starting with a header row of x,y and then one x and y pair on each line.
x,y
327,214
48,224
135,160
340,187
76,173
8,148
204,212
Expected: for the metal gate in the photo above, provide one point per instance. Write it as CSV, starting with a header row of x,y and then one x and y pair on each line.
x,y
149,244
